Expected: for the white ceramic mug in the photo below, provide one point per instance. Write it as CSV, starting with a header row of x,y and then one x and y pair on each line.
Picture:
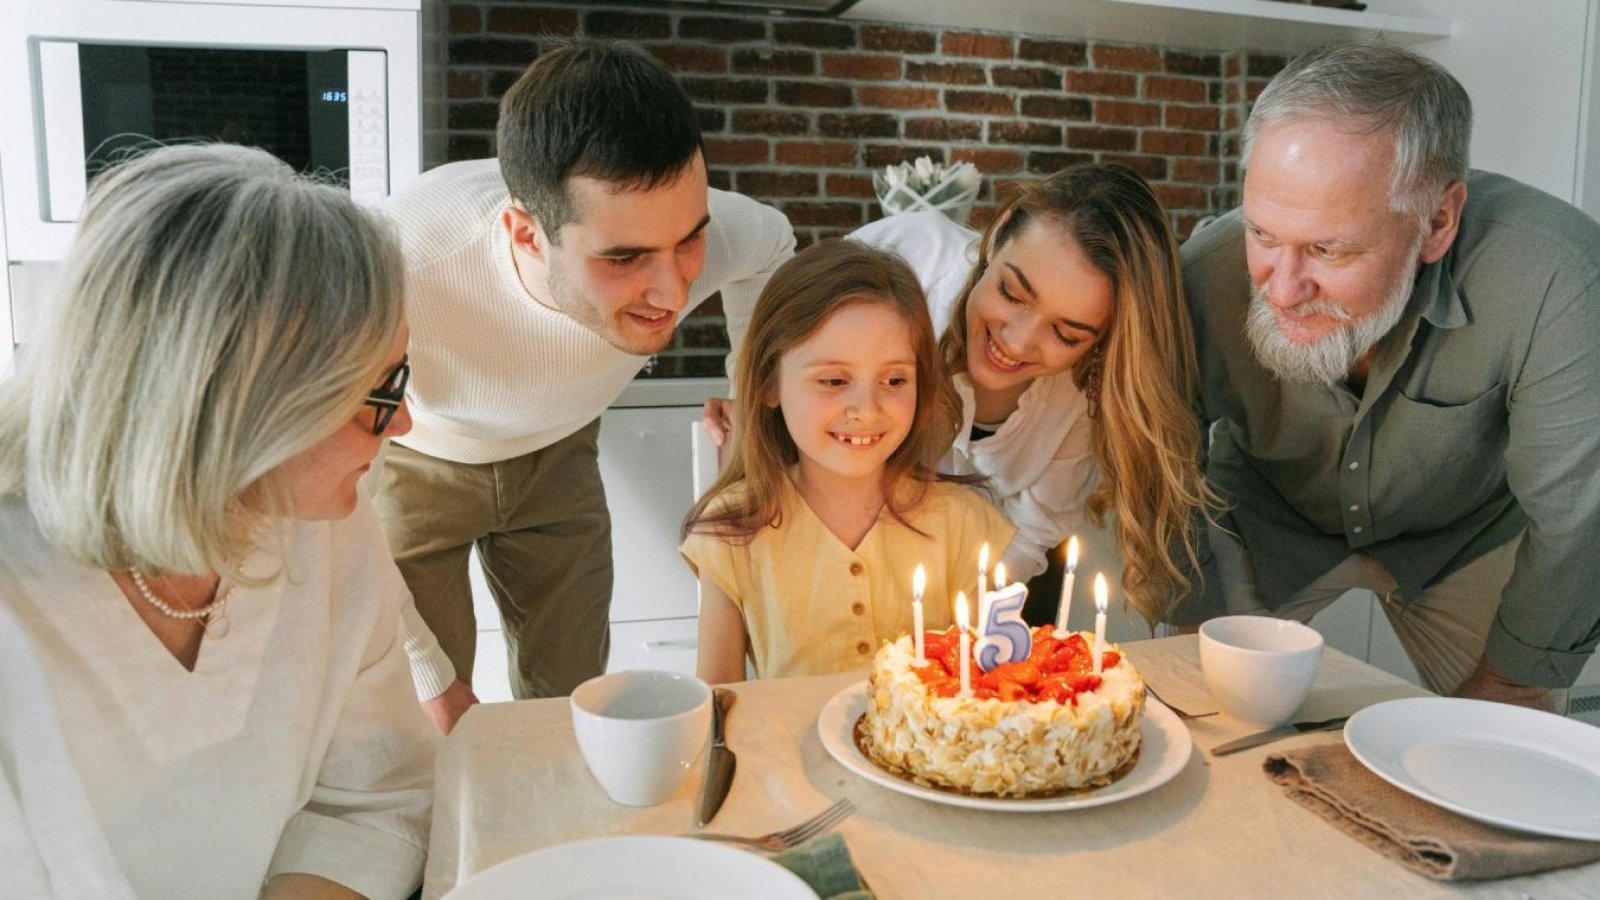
x,y
1259,669
641,732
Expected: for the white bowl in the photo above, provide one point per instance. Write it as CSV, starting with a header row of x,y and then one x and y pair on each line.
x,y
1259,669
641,732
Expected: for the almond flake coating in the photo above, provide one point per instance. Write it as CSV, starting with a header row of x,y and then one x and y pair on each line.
x,y
1001,748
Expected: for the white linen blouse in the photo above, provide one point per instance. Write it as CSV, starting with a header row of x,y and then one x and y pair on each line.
x,y
1039,464
295,745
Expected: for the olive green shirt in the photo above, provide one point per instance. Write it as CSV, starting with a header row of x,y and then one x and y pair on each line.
x,y
1480,421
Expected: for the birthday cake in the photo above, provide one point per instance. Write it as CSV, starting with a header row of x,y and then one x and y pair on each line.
x,y
1042,726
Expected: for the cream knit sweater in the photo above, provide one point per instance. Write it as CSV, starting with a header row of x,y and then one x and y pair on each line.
x,y
494,373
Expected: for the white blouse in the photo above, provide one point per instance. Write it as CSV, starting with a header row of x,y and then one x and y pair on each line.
x,y
1040,466
295,745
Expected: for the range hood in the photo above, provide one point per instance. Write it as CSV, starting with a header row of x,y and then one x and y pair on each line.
x,y
809,7
1215,25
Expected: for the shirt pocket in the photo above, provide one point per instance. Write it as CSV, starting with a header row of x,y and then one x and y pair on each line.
x,y
1442,460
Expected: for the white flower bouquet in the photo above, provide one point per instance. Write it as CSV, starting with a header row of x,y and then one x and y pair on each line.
x,y
925,184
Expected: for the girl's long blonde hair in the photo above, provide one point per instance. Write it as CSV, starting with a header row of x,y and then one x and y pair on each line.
x,y
1145,434
801,295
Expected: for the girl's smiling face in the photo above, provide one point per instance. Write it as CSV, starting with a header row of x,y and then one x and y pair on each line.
x,y
1038,308
848,393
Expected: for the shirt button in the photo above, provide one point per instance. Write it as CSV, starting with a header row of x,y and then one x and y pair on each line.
x,y
1356,529
1354,507
859,609
856,568
863,648
1354,466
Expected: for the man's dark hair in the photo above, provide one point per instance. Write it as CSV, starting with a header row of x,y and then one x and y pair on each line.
x,y
602,110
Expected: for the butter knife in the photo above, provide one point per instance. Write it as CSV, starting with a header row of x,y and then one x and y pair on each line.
x,y
1273,734
720,760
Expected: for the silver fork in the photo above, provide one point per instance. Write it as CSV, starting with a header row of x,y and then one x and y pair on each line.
x,y
788,837
1180,713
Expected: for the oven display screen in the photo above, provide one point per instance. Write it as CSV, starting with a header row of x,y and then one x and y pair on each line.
x,y
293,103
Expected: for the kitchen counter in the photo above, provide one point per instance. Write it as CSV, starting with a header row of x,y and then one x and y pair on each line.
x,y
643,392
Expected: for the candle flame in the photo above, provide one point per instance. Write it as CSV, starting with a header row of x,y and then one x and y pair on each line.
x,y
1072,553
919,582
1100,591
999,575
983,557
963,622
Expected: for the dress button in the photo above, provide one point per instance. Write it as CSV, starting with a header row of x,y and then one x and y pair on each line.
x,y
856,568
859,609
1354,466
863,648
1354,507
1356,529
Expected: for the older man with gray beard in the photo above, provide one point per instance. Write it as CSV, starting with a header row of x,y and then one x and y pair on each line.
x,y
1401,373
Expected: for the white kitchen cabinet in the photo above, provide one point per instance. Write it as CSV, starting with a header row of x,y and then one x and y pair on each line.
x,y
1346,624
491,678
670,644
647,464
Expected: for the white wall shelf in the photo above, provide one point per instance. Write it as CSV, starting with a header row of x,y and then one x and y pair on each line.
x,y
1201,24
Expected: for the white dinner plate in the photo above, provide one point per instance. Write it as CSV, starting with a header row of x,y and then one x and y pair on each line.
x,y
1164,749
1505,765
635,868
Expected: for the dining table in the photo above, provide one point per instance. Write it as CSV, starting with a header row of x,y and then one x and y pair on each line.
x,y
511,780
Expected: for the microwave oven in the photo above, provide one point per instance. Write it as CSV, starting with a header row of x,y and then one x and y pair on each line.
x,y
341,88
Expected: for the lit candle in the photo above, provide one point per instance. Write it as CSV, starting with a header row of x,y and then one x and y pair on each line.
x,y
999,575
919,583
1099,618
983,588
1066,587
962,625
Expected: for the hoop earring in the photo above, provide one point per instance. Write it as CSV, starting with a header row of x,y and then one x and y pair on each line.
x,y
1092,376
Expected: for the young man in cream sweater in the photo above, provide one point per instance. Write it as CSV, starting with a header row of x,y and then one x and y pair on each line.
x,y
538,284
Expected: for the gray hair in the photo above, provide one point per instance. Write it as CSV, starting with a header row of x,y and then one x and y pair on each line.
x,y
216,315
1378,87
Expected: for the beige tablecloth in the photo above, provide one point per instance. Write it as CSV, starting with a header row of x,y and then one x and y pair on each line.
x,y
510,780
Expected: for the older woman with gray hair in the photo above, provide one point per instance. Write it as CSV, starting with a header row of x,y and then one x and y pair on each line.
x,y
203,691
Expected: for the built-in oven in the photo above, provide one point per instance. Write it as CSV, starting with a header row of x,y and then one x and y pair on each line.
x,y
340,88
323,111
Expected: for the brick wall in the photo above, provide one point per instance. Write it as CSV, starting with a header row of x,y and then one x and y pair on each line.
x,y
797,111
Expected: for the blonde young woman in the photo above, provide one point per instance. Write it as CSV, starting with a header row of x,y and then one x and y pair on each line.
x,y
203,692
1064,327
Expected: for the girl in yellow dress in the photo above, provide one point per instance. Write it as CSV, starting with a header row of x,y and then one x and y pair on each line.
x,y
806,544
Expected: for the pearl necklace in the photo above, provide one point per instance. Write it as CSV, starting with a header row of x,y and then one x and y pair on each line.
x,y
215,613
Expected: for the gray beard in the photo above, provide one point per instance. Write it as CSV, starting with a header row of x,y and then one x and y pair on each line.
x,y
1330,359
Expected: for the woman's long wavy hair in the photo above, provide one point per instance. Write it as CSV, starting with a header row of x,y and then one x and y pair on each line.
x,y
800,297
1145,435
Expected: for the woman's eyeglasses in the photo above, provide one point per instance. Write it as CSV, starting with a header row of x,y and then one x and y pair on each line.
x,y
386,400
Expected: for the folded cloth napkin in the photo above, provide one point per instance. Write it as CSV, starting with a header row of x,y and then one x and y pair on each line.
x,y
1425,838
825,864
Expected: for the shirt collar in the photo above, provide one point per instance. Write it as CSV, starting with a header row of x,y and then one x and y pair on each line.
x,y
1441,298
